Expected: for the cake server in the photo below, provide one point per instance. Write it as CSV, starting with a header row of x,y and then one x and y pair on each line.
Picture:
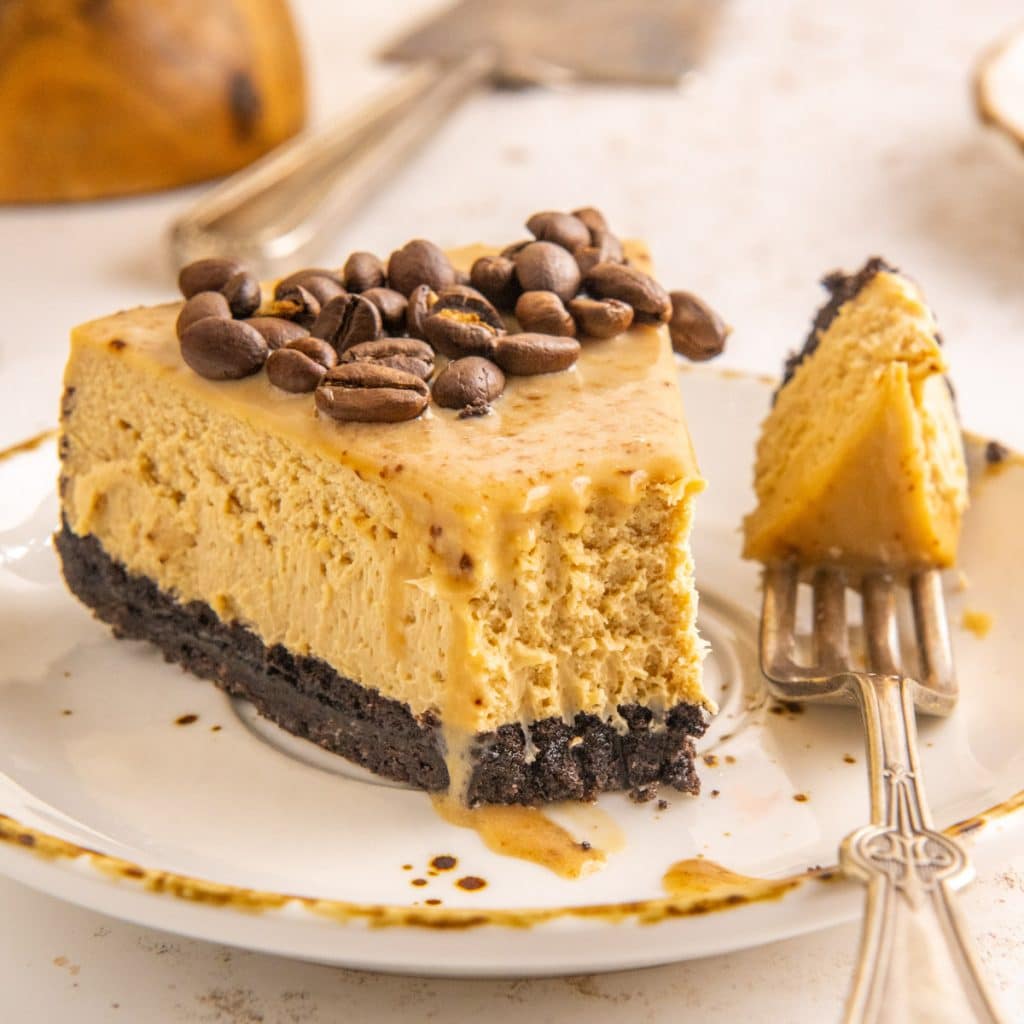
x,y
915,962
282,205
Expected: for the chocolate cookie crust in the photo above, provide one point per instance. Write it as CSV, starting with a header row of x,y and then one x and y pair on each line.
x,y
308,698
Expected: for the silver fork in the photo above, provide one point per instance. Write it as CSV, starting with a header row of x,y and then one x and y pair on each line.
x,y
915,961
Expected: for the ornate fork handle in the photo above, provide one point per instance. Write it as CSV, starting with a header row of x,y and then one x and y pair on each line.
x,y
915,961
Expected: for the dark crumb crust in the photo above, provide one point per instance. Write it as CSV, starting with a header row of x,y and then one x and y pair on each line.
x,y
841,288
305,696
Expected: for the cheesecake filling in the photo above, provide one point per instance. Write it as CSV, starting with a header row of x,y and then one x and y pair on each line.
x,y
569,601
528,565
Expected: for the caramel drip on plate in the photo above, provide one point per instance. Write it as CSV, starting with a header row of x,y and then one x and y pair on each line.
x,y
28,445
700,877
525,833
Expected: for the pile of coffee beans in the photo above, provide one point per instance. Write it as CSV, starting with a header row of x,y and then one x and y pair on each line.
x,y
364,339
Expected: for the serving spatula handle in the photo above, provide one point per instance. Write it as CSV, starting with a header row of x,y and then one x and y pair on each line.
x,y
916,962
277,208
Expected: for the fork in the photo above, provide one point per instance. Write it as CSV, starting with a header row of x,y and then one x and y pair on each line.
x,y
915,961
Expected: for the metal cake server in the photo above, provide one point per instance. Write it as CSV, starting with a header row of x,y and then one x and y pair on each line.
x,y
916,962
281,206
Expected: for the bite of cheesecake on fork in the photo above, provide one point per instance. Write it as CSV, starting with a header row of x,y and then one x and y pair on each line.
x,y
861,486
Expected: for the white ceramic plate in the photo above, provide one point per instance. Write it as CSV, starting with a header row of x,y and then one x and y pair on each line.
x,y
229,830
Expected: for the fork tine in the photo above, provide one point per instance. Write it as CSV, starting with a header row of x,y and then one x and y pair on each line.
x,y
831,647
936,653
880,627
778,620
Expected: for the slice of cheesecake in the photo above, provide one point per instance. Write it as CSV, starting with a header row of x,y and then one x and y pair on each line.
x,y
502,604
860,460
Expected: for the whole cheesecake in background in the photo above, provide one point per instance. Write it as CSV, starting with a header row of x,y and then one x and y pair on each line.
x,y
494,597
115,97
860,461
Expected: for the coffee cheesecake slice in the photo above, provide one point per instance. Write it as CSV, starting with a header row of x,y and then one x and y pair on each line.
x,y
494,599
860,461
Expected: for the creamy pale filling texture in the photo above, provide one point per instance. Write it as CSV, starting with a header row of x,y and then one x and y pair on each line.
x,y
529,563
861,459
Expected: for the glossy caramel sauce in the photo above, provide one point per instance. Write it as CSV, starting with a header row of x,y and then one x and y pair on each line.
x,y
28,445
702,878
525,833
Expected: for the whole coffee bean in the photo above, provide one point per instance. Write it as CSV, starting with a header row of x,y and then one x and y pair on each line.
x,y
544,313
462,290
317,349
455,334
605,248
276,330
200,306
593,218
546,267
697,331
603,240
347,320
561,228
601,318
609,246
363,271
392,306
295,303
588,257
243,294
419,262
292,370
323,285
406,354
464,299
462,322
511,251
223,349
469,384
649,300
495,278
524,355
206,276
297,276
322,288
371,393
421,302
